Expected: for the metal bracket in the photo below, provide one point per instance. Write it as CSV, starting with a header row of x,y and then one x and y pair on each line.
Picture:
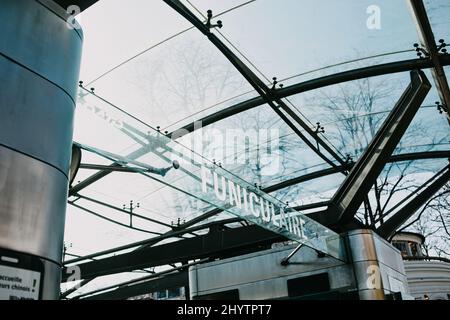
x,y
285,261
209,25
440,107
358,183
130,210
441,47
319,128
421,52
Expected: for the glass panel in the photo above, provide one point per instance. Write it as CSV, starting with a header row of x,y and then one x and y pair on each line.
x,y
313,191
200,7
256,145
429,131
438,12
300,36
208,182
97,126
183,78
114,32
352,112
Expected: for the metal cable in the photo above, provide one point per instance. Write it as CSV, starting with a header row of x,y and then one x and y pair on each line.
x,y
158,44
289,78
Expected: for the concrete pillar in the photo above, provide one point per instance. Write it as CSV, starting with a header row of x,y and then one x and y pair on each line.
x,y
39,68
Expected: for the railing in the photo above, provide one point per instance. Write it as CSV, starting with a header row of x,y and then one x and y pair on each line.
x,y
427,259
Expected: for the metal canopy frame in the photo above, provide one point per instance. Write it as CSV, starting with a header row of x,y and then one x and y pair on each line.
x,y
389,227
171,281
356,74
280,108
353,191
321,82
220,241
429,42
188,226
82,4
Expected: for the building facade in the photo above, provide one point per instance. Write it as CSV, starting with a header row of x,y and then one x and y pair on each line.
x,y
428,277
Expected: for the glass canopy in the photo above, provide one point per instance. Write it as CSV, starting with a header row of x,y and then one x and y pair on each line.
x,y
154,86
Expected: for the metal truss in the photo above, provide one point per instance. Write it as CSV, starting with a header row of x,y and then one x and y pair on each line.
x,y
356,74
353,191
321,82
280,108
186,227
170,281
218,243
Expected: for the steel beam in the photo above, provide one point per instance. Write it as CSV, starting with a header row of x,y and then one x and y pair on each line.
x,y
170,281
388,228
364,173
426,155
99,167
277,105
346,76
285,184
178,232
215,244
101,174
429,42
356,74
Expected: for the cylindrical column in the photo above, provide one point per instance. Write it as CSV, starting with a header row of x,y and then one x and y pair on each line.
x,y
39,68
366,266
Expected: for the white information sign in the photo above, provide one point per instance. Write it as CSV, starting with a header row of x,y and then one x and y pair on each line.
x,y
19,284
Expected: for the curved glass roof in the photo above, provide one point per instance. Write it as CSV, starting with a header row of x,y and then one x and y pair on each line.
x,y
300,36
152,70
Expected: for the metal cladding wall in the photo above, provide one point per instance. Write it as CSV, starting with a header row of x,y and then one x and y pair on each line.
x,y
374,270
39,68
